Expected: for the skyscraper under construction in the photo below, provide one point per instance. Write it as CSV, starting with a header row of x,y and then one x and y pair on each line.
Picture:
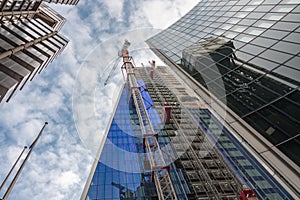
x,y
224,112
29,41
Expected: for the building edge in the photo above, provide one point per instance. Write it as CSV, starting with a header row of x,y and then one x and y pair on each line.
x,y
42,26
97,158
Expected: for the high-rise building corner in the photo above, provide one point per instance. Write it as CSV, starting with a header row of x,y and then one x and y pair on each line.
x,y
29,41
243,59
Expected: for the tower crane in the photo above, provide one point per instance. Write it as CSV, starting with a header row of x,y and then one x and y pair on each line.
x,y
160,171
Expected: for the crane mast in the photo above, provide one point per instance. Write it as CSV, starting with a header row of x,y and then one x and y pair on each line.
x,y
159,169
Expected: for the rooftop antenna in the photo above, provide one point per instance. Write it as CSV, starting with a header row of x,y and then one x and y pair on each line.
x,y
13,182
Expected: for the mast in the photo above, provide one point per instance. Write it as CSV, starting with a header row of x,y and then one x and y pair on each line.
x,y
12,168
13,182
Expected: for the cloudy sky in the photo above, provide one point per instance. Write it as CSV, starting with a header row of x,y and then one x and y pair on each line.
x,y
61,161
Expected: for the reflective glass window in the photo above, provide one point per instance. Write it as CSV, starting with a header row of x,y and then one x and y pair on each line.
x,y
247,22
274,85
264,24
293,37
265,42
291,148
254,31
273,16
289,26
276,34
275,56
289,107
284,129
294,63
241,14
249,8
264,8
252,49
283,8
255,15
288,72
292,17
266,64
290,1
287,47
244,38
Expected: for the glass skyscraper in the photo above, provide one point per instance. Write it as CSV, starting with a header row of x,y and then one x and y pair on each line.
x,y
29,41
244,56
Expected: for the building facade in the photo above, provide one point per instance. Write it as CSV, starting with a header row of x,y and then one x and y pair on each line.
x,y
29,41
243,56
206,161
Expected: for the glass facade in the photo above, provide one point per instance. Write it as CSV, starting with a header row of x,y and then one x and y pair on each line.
x,y
29,41
243,163
245,53
209,162
123,171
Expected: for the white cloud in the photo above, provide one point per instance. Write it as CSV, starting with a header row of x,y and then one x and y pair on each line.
x,y
66,179
115,8
161,14
60,163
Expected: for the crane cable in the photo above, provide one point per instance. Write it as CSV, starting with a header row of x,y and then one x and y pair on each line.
x,y
116,63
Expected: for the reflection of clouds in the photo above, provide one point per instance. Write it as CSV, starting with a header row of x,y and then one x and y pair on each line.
x,y
93,102
91,99
201,58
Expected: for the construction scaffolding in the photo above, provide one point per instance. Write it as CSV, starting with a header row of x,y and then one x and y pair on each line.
x,y
207,172
159,169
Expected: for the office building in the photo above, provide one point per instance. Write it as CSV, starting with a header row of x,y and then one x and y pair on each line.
x,y
242,57
29,41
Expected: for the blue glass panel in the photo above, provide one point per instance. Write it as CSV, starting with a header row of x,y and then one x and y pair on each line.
x,y
249,170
